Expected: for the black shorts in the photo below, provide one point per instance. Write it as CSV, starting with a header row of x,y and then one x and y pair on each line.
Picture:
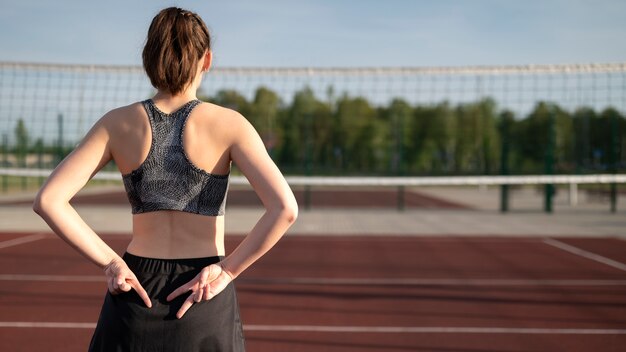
x,y
126,324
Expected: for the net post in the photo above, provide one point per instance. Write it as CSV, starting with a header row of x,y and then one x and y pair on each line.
x,y
613,197
613,148
400,199
573,194
504,198
504,159
549,161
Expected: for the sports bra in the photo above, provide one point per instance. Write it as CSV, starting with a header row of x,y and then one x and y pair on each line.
x,y
167,179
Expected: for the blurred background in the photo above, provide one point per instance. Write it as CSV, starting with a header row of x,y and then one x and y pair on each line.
x,y
407,130
340,89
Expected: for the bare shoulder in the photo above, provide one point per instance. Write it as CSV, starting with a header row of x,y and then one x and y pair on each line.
x,y
228,122
123,118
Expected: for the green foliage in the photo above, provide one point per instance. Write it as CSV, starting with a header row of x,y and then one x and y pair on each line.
x,y
264,115
345,135
21,136
477,142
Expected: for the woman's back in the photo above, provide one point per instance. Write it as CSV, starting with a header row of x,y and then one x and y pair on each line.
x,y
206,138
174,153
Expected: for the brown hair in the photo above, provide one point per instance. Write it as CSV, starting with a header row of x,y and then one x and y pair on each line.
x,y
176,41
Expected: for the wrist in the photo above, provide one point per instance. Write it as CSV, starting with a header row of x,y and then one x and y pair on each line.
x,y
226,270
110,262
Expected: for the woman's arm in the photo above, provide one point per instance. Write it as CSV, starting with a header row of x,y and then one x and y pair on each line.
x,y
52,200
281,209
52,204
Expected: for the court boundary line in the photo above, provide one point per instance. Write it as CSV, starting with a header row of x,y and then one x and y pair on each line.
x,y
584,253
432,329
356,329
23,239
433,282
349,281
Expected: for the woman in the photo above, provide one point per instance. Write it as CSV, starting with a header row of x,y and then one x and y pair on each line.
x,y
172,289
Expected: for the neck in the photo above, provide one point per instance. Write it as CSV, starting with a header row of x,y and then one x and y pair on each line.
x,y
180,97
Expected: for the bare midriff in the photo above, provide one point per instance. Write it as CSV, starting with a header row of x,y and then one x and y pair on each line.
x,y
172,234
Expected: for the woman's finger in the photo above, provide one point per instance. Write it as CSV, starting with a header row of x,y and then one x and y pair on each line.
x,y
203,277
212,272
141,292
207,293
179,291
186,305
217,285
125,287
119,283
197,296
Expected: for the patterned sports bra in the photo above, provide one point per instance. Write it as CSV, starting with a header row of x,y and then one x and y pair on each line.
x,y
167,179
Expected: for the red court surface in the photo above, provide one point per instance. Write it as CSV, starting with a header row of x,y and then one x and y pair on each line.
x,y
351,293
355,197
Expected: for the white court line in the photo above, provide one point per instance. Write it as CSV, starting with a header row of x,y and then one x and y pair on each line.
x,y
349,281
430,329
439,282
40,324
25,239
53,278
356,329
583,253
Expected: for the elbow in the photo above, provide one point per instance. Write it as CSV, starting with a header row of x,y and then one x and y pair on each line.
x,y
289,211
38,205
41,203
285,209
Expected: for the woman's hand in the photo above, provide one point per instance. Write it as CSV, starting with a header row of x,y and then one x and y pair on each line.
x,y
121,279
206,285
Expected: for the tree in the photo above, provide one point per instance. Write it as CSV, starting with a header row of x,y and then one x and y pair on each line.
x,y
359,134
264,114
296,148
343,134
233,100
581,123
397,117
532,134
477,147
21,137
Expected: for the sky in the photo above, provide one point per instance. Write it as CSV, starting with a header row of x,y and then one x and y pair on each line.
x,y
326,33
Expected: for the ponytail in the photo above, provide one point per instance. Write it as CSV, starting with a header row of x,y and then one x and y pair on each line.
x,y
177,39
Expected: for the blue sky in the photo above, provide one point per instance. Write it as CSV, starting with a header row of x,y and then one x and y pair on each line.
x,y
327,32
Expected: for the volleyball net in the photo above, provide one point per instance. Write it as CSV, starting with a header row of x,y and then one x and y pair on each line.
x,y
370,121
